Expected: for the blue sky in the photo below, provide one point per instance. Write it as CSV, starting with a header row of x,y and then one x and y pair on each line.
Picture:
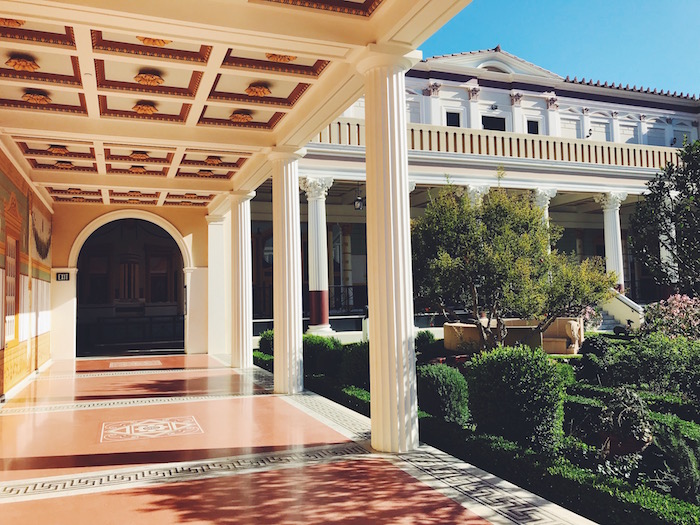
x,y
649,43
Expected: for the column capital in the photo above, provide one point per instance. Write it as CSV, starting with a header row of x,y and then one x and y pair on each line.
x,y
611,200
542,196
238,197
476,192
284,153
411,186
386,55
315,187
214,219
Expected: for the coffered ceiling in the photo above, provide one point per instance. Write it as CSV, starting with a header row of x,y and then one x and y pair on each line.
x,y
173,102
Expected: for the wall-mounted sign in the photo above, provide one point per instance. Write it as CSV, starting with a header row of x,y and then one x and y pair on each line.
x,y
62,276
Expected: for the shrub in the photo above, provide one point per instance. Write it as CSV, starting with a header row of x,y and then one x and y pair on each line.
x,y
517,393
566,373
354,366
671,465
322,355
424,339
267,342
597,345
442,392
625,427
679,315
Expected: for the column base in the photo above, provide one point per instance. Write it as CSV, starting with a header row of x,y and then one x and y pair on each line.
x,y
320,329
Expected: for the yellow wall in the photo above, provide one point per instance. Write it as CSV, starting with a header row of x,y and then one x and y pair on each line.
x,y
70,219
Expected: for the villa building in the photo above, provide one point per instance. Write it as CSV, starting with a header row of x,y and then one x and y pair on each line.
x,y
151,152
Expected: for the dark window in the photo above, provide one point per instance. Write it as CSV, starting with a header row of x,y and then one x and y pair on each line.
x,y
453,119
533,127
494,123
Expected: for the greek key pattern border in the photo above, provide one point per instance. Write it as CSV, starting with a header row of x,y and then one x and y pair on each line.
x,y
63,407
471,484
117,373
24,490
353,425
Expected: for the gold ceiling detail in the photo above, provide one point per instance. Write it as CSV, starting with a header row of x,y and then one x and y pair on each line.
x,y
11,22
145,108
258,89
190,195
158,42
137,169
63,164
133,201
22,63
74,191
36,97
205,173
282,59
57,150
213,161
241,116
132,193
139,155
149,79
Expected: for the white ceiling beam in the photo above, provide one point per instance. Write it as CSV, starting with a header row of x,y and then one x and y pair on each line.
x,y
83,45
175,164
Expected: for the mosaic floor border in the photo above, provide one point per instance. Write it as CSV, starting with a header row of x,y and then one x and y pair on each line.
x,y
58,486
118,373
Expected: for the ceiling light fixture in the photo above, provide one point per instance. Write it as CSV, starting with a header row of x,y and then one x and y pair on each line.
x,y
145,108
282,59
137,169
149,78
139,155
11,22
205,173
241,116
63,164
36,96
359,202
150,41
258,89
213,161
55,149
22,63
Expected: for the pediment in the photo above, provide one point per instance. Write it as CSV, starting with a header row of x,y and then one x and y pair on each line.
x,y
495,60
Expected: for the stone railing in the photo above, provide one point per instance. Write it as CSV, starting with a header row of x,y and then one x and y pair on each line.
x,y
443,139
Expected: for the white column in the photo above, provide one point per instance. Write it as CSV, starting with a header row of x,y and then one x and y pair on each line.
x,y
476,193
517,110
196,330
346,235
241,320
586,129
286,273
316,190
613,234
64,311
553,118
541,198
669,134
389,273
615,127
474,113
216,292
643,139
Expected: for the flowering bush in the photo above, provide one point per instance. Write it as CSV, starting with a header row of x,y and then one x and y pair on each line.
x,y
592,318
678,315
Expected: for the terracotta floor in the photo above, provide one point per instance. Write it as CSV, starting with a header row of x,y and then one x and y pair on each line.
x,y
184,439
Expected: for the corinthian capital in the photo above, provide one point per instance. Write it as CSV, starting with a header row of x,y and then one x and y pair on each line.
x,y
315,188
611,200
542,196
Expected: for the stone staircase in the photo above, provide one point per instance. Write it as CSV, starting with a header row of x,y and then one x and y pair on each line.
x,y
609,322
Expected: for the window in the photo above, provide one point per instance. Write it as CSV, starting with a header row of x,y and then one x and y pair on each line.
x,y
452,119
494,123
533,127
10,288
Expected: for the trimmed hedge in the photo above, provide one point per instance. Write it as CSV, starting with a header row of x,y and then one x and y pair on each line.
x,y
355,365
267,342
517,393
442,392
597,496
322,355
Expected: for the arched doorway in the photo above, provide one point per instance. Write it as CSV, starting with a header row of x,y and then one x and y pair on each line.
x,y
130,291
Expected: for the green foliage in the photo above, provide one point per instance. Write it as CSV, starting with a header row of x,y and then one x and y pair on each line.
x,y
679,315
668,217
354,366
517,393
322,355
424,339
267,342
595,344
566,373
264,361
442,392
625,427
496,257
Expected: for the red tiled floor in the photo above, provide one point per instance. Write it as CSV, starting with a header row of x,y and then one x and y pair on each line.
x,y
56,443
224,381
147,363
361,492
